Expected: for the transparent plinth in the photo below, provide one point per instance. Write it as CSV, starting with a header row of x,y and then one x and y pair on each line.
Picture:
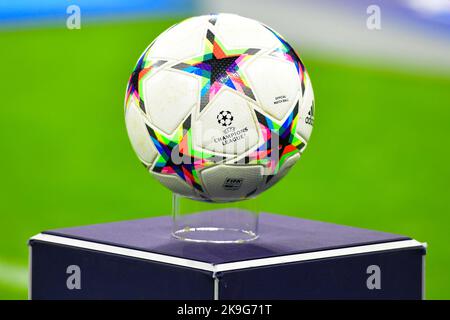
x,y
201,221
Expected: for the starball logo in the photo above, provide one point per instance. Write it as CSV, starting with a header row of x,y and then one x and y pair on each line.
x,y
225,118
230,134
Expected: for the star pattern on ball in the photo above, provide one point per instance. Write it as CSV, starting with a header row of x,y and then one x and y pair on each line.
x,y
177,155
218,68
286,52
143,67
225,118
280,142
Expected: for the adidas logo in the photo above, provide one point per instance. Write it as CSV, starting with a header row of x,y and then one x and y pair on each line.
x,y
310,117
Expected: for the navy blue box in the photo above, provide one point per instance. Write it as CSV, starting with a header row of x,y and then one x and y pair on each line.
x,y
293,259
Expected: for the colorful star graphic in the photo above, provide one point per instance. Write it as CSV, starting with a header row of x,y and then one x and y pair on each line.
x,y
143,67
286,52
280,142
218,67
177,155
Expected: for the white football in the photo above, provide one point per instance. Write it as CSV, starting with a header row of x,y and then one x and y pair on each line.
x,y
219,107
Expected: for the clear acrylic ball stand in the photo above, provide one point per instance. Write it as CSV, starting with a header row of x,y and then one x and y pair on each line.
x,y
202,221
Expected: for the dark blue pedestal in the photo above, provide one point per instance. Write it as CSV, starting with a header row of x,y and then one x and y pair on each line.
x,y
292,259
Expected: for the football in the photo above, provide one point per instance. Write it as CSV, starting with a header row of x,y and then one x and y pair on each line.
x,y
219,108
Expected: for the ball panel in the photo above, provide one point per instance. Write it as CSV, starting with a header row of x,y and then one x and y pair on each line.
x,y
239,32
182,41
175,184
169,96
287,165
226,126
306,120
275,83
137,132
228,182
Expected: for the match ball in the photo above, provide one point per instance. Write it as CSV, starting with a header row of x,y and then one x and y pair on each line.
x,y
219,108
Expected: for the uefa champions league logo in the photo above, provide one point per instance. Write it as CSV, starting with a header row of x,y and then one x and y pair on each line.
x,y
225,118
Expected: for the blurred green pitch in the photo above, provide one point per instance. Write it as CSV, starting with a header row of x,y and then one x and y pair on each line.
x,y
378,157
